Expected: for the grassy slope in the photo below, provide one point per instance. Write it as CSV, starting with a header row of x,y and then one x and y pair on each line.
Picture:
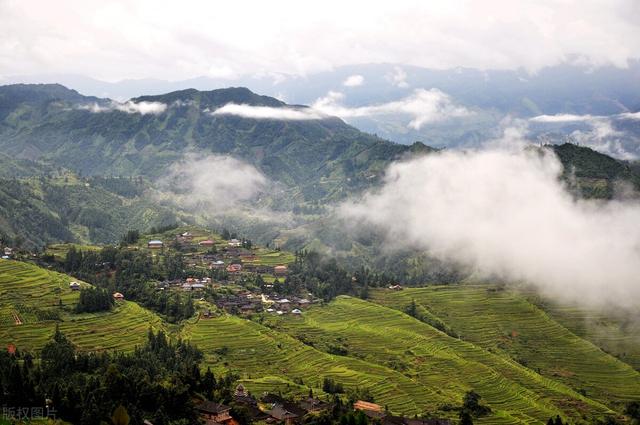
x,y
25,289
617,333
406,364
261,354
506,322
434,360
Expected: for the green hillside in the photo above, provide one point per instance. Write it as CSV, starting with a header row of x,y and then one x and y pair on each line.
x,y
64,208
526,366
505,322
323,159
615,332
41,299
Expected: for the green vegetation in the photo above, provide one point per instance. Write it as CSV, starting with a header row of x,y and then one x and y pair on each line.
x,y
513,364
592,174
42,299
504,322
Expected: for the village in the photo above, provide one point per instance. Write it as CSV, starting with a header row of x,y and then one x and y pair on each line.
x,y
238,277
273,408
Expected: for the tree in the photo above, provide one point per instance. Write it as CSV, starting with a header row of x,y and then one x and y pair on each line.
x,y
120,416
465,418
471,404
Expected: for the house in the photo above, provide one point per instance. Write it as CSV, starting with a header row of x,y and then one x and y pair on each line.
x,y
118,296
212,413
8,251
155,244
280,270
284,304
241,396
279,413
74,286
372,410
234,268
208,242
217,265
396,287
283,410
296,311
311,404
234,243
433,421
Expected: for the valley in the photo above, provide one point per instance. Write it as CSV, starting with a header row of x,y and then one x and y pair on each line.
x,y
413,350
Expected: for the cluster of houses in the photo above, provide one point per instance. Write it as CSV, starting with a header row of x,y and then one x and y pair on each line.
x,y
272,409
232,257
7,253
246,302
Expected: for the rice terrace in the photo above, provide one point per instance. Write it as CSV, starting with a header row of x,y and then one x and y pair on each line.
x,y
320,213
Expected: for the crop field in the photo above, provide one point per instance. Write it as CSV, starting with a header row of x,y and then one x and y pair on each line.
x,y
506,322
384,336
268,257
526,366
617,333
42,298
261,356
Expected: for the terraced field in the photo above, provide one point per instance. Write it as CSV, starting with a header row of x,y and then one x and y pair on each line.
x,y
506,322
263,357
38,296
526,366
430,358
615,332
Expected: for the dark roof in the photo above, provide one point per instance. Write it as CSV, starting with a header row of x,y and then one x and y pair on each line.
x,y
280,412
212,407
435,421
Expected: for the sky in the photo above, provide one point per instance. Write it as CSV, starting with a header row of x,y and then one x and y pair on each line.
x,y
117,40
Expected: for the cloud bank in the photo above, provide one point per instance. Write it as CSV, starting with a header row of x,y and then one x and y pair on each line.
x,y
598,132
129,107
505,213
191,38
423,106
268,112
211,183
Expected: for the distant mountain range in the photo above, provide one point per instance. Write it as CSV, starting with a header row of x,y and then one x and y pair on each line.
x,y
491,95
51,135
94,136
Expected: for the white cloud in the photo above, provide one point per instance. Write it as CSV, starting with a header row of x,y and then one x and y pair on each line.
x,y
599,133
192,38
353,81
423,106
285,113
563,118
129,107
505,213
211,183
629,115
398,77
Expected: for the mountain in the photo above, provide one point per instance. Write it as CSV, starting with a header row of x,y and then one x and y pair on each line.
x,y
490,94
37,211
98,137
59,147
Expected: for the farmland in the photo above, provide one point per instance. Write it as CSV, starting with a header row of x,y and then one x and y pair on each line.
x,y
42,298
505,322
526,366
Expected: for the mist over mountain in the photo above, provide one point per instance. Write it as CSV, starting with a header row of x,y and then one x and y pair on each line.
x,y
380,99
